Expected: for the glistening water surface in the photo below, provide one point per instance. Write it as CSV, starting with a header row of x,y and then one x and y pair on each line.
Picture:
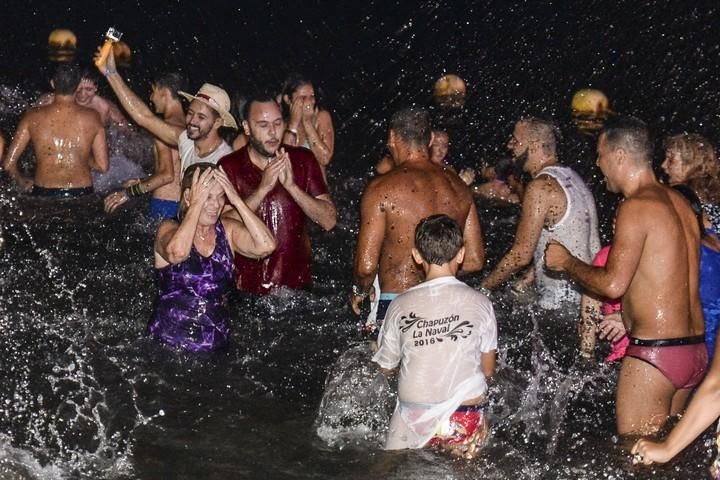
x,y
85,395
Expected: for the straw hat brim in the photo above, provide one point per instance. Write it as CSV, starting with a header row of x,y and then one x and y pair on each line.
x,y
228,119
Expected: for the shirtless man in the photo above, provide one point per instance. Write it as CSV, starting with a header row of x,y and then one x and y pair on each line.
x,y
198,140
68,140
556,205
164,183
653,265
86,95
394,203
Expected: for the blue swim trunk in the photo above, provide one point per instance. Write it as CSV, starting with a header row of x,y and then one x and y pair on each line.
x,y
163,209
372,326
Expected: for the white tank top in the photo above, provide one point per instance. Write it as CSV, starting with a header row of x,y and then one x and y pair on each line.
x,y
188,156
577,230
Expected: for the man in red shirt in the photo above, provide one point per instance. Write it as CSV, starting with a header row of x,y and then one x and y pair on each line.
x,y
284,186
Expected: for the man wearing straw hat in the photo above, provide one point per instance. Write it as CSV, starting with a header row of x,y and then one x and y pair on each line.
x,y
198,140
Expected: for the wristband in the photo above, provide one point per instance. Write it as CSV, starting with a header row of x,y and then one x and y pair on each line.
x,y
137,190
109,72
293,131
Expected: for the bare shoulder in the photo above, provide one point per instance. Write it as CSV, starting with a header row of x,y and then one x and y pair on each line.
x,y
542,189
324,117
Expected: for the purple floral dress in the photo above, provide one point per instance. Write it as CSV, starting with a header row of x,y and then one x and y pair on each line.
x,y
191,310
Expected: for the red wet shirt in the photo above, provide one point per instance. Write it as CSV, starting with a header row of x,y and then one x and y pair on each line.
x,y
289,264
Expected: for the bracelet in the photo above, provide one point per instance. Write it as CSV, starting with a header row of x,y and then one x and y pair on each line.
x,y
109,72
137,190
357,292
293,131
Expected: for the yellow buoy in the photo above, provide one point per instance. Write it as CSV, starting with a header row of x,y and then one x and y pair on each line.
x,y
590,108
450,91
62,44
62,38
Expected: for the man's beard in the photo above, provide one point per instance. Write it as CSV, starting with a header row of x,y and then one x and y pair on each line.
x,y
519,168
197,136
258,146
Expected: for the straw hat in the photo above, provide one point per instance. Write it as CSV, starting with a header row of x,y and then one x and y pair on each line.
x,y
215,98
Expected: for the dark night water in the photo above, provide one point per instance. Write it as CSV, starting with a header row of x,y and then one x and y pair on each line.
x,y
85,395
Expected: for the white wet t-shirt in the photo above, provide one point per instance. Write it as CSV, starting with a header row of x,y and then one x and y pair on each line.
x,y
436,332
188,155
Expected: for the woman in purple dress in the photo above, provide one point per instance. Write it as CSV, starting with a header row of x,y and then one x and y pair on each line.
x,y
194,260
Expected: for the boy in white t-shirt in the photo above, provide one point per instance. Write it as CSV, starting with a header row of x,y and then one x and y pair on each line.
x,y
443,335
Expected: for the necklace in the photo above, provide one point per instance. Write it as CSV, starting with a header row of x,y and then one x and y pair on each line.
x,y
209,151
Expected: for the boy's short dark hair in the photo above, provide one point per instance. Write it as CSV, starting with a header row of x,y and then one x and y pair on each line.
x,y
438,238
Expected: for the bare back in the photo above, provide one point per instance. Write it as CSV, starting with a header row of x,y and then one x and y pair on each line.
x,y
662,298
393,205
69,141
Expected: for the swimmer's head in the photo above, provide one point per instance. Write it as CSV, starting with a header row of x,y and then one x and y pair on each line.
x,y
66,79
88,87
623,138
689,156
165,88
216,198
533,140
298,86
438,239
439,146
410,126
263,123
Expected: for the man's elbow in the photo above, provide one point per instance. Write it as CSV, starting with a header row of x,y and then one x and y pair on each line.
x,y
101,167
614,290
266,248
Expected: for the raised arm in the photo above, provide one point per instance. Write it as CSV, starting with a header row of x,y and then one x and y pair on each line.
x,y
173,242
322,137
319,209
532,219
249,237
136,108
17,147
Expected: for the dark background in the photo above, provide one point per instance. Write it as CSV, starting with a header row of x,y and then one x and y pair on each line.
x,y
658,60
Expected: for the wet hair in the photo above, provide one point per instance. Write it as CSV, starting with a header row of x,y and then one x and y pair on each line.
x,y
631,134
90,75
186,183
438,238
695,203
173,81
698,154
257,97
544,131
412,126
66,79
